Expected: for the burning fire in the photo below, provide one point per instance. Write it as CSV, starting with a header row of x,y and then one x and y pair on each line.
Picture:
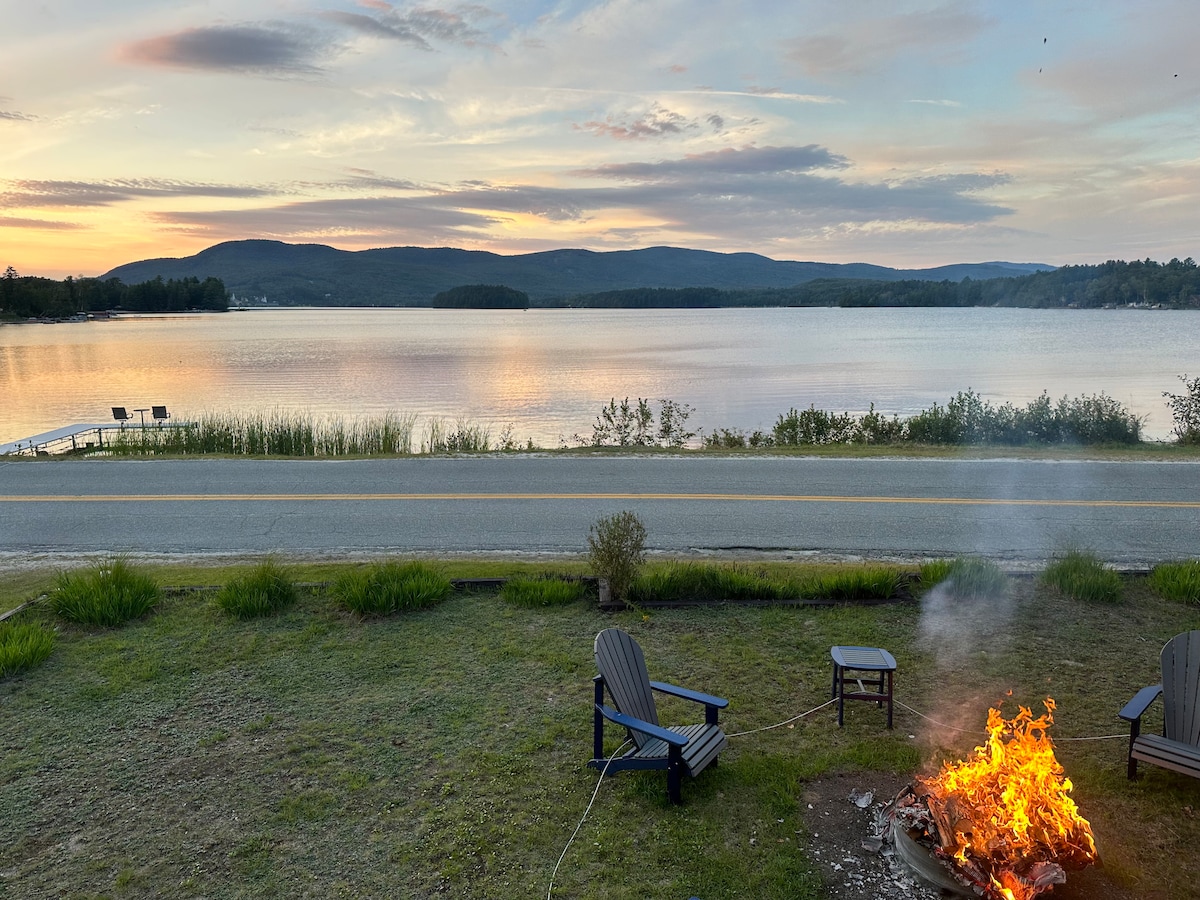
x,y
1004,814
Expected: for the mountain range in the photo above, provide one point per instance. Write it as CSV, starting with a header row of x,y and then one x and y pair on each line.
x,y
318,275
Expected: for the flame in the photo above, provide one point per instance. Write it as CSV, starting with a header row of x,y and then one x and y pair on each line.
x,y
1006,808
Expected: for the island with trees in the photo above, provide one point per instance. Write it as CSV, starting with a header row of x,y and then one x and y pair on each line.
x,y
481,296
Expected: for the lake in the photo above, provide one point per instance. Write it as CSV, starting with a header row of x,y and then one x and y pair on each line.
x,y
546,373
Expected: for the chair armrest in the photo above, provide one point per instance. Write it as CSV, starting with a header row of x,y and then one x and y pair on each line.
x,y
695,696
1132,711
654,731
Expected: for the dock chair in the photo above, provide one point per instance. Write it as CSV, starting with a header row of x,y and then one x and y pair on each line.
x,y
160,413
121,414
1178,748
689,748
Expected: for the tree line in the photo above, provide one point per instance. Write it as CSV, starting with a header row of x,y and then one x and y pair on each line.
x,y
1113,283
25,296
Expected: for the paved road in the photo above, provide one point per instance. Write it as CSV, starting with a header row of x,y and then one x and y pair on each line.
x,y
1130,513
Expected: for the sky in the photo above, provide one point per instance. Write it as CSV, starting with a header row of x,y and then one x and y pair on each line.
x,y
901,133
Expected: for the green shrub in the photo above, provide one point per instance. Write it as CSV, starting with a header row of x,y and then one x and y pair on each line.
x,y
966,577
1185,410
617,550
111,593
535,592
265,590
23,645
1177,581
390,587
1083,576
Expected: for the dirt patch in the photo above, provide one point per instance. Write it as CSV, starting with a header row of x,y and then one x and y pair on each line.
x,y
838,825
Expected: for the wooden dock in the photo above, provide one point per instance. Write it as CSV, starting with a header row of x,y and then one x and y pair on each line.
x,y
61,440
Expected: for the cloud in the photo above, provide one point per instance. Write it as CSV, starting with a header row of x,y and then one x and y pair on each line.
x,y
749,196
27,194
15,116
870,42
379,220
373,27
657,123
37,224
726,162
417,27
276,49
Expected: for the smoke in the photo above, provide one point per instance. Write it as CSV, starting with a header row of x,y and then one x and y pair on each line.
x,y
958,623
965,618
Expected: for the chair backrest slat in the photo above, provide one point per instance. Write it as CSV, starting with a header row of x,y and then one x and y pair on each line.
x,y
620,662
1181,688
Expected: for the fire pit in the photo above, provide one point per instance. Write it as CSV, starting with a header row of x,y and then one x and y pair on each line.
x,y
999,824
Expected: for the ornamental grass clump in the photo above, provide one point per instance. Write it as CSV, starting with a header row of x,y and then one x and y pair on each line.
x,y
1178,581
111,593
390,587
540,592
23,645
1082,576
263,591
857,584
965,577
699,583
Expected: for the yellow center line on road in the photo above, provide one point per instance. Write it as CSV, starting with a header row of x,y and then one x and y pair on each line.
x,y
605,495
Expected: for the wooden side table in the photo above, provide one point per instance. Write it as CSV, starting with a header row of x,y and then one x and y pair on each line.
x,y
862,659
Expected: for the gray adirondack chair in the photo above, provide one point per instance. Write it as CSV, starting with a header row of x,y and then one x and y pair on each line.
x,y
689,748
1178,747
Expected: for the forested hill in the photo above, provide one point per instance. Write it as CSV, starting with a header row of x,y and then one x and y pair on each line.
x,y
314,274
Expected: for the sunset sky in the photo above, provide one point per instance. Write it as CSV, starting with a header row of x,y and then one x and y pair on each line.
x,y
886,131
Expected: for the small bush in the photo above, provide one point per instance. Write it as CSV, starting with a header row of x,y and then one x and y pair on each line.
x,y
23,645
617,550
534,592
1083,576
966,577
1177,581
265,590
1185,410
111,593
390,587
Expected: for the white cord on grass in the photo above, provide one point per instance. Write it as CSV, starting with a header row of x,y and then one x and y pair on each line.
x,y
784,722
599,782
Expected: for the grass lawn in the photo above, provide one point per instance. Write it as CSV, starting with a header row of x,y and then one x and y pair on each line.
x,y
441,752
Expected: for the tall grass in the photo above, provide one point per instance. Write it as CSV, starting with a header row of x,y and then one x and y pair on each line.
x,y
462,437
23,645
1179,581
111,593
965,577
266,589
539,592
389,587
1082,576
276,433
857,584
700,583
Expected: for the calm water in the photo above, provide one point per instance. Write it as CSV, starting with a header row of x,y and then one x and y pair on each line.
x,y
548,372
